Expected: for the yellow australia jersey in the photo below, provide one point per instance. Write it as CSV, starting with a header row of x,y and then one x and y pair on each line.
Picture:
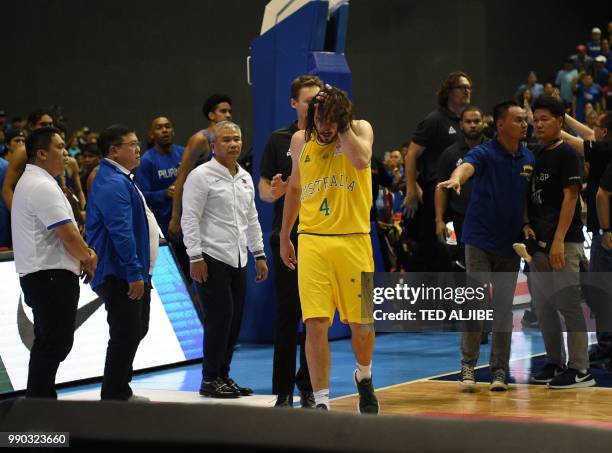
x,y
336,197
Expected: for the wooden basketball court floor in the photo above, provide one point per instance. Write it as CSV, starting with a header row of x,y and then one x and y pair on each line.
x,y
414,373
443,398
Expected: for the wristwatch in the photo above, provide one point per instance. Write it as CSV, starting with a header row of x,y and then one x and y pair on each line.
x,y
195,259
259,255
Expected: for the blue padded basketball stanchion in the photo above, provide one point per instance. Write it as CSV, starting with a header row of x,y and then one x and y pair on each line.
x,y
309,41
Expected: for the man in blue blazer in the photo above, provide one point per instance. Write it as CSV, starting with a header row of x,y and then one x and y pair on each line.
x,y
118,229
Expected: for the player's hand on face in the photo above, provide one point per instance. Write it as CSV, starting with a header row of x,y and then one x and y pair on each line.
x,y
287,253
322,95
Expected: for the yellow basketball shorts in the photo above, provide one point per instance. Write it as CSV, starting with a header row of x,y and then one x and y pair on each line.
x,y
329,276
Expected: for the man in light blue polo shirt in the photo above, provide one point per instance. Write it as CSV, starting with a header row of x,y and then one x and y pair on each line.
x,y
502,171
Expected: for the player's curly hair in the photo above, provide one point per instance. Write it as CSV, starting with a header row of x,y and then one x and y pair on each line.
x,y
337,108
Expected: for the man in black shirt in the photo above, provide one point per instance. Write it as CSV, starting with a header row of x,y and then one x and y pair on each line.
x,y
434,134
554,222
274,173
603,199
471,125
596,146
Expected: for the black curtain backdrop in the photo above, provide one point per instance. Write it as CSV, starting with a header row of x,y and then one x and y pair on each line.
x,y
126,62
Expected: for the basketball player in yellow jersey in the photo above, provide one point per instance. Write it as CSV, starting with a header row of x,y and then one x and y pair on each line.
x,y
330,188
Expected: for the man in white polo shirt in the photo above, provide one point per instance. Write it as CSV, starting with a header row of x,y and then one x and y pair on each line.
x,y
219,222
50,254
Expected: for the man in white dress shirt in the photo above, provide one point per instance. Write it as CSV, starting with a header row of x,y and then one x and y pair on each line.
x,y
49,256
219,222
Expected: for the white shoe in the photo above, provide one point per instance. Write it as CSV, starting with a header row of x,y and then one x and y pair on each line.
x,y
138,399
521,250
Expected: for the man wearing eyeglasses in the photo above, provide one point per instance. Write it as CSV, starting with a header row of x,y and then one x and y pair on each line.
x,y
124,233
434,134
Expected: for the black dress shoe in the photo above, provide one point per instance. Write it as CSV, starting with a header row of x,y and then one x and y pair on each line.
x,y
243,391
218,389
307,400
284,401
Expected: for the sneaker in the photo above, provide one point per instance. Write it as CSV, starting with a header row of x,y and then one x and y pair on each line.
x,y
499,383
546,374
572,379
243,391
307,400
218,389
530,320
321,407
368,403
284,401
521,250
466,378
138,399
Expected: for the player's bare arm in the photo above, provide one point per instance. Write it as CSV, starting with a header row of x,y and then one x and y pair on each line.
x,y
292,201
357,143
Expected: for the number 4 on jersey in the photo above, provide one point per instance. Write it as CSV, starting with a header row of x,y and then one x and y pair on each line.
x,y
324,208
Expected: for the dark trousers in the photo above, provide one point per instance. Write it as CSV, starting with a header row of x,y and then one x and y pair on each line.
x,y
53,296
429,254
222,296
286,329
128,322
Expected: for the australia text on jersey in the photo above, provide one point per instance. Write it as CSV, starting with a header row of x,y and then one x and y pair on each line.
x,y
340,181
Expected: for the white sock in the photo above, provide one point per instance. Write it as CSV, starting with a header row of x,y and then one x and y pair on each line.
x,y
363,371
322,397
